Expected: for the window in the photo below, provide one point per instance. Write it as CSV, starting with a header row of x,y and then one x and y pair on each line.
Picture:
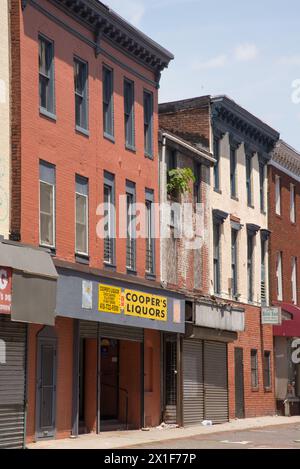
x,y
150,268
81,94
279,276
263,297
234,287
292,205
148,123
250,245
47,204
217,164
294,280
129,113
131,244
249,179
233,172
81,216
278,195
197,185
216,240
108,102
254,369
262,186
46,75
109,214
267,370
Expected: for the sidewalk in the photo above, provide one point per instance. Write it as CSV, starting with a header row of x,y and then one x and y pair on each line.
x,y
124,439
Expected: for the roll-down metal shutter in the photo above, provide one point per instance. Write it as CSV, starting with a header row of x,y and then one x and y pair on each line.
x,y
89,330
193,387
216,383
12,383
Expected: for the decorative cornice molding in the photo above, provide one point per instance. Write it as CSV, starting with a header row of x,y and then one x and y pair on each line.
x,y
286,159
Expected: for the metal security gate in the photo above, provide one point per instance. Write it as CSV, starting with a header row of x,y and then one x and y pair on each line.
x,y
193,385
90,330
12,383
215,382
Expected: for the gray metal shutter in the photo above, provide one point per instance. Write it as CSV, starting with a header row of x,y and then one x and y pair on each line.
x,y
12,383
216,383
193,388
88,329
112,331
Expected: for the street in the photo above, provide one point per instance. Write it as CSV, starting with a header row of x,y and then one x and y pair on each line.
x,y
277,437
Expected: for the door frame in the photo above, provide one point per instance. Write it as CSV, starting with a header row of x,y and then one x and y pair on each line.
x,y
47,335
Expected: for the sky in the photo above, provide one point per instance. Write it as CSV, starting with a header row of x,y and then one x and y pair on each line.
x,y
249,51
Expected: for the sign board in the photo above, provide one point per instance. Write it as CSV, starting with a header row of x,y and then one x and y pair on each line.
x,y
5,290
132,303
271,315
87,294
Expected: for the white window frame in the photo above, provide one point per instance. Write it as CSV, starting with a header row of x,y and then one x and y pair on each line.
x,y
279,276
51,246
292,204
80,253
278,195
294,280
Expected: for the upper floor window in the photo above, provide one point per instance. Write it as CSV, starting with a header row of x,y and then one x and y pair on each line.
x,y
216,254
217,164
262,187
263,293
81,94
46,75
81,216
279,276
278,195
233,172
150,256
254,369
292,204
234,262
249,179
47,204
129,113
108,102
148,123
267,370
109,214
294,280
131,217
250,266
197,185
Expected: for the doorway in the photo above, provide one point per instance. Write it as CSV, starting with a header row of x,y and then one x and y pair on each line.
x,y
109,402
239,383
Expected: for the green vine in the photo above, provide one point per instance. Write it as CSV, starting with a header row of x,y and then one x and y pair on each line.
x,y
180,180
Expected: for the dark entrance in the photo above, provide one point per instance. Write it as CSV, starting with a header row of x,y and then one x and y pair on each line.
x,y
109,379
239,383
170,379
46,383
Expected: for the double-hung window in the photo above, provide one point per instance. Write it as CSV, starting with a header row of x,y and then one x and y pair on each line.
x,y
250,267
108,102
263,296
277,195
46,76
131,228
81,94
267,370
109,214
217,164
129,113
254,369
249,179
279,276
150,235
234,262
233,172
262,186
292,204
47,204
81,215
148,123
197,185
216,255
294,280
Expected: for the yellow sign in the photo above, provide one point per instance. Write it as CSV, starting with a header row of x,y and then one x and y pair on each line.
x,y
144,305
109,299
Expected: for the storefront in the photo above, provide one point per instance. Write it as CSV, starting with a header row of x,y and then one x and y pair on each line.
x,y
27,282
117,348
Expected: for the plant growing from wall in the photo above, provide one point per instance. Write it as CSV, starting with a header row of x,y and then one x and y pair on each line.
x,y
180,180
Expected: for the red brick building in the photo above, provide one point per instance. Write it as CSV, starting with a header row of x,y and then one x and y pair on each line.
x,y
284,215
84,132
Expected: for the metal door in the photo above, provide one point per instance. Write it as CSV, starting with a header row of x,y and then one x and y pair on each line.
x,y
46,384
239,383
193,385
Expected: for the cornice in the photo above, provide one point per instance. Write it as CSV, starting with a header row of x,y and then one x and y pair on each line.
x,y
286,159
108,25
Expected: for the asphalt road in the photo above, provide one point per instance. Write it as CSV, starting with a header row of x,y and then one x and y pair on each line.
x,y
279,437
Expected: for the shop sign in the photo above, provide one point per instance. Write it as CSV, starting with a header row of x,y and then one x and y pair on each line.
x,y
132,303
271,315
5,290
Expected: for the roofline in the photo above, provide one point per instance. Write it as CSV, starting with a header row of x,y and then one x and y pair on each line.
x,y
202,153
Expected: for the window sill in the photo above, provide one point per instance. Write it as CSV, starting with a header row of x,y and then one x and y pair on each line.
x,y
255,389
131,272
277,215
130,148
82,131
109,266
234,197
47,114
149,156
218,191
109,137
250,206
263,212
82,258
150,276
268,390
49,249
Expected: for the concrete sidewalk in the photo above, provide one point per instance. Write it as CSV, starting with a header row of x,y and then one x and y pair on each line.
x,y
125,439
